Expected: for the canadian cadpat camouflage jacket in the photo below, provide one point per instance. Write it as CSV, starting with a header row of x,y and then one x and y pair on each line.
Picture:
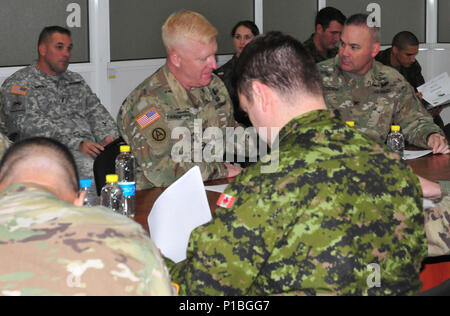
x,y
338,207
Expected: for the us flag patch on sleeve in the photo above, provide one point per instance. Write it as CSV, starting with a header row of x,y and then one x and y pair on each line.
x,y
15,89
226,201
148,118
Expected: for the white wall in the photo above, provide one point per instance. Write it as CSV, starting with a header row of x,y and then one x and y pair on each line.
x,y
114,81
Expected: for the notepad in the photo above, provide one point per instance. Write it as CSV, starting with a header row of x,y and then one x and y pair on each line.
x,y
180,209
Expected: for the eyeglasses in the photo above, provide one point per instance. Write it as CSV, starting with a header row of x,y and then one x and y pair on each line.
x,y
244,37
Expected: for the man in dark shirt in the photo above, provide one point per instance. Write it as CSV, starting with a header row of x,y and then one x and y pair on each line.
x,y
402,57
322,45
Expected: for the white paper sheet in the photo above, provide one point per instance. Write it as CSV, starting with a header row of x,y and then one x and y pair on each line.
x,y
217,188
414,154
177,212
437,90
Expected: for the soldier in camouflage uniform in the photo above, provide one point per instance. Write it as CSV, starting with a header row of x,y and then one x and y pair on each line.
x,y
46,99
373,95
322,45
50,246
338,204
4,144
183,90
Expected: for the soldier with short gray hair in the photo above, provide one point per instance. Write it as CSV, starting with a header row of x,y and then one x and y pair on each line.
x,y
373,95
46,99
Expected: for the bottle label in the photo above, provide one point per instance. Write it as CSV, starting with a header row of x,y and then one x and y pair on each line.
x,y
128,188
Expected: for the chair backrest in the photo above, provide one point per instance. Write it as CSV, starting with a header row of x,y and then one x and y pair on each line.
x,y
105,163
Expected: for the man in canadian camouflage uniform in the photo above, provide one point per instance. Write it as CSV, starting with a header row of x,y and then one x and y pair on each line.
x,y
322,45
183,90
46,99
337,206
51,246
373,95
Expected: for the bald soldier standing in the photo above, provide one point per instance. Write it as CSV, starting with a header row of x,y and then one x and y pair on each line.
x,y
46,99
52,246
182,91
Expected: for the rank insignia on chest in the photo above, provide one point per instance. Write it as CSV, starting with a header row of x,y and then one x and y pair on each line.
x,y
226,201
15,89
148,118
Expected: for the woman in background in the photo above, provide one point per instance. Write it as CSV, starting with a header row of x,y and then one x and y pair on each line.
x,y
243,33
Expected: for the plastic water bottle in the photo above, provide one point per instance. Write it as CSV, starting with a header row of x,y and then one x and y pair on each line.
x,y
112,195
396,141
126,169
90,198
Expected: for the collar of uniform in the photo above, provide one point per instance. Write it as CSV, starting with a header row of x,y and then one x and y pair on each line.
x,y
65,76
192,97
26,187
368,79
305,120
176,87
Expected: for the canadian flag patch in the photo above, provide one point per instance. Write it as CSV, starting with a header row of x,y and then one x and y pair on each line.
x,y
226,201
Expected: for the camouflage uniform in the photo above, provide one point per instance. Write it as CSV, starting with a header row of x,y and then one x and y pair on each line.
x,y
50,247
315,54
4,144
59,107
168,104
337,204
377,100
437,225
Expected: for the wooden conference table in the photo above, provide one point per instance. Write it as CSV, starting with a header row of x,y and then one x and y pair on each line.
x,y
432,167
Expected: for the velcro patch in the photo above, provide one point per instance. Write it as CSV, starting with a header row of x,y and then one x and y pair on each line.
x,y
20,90
148,118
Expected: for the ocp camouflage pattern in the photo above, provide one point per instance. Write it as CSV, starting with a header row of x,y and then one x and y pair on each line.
x,y
177,107
375,101
60,107
50,247
337,204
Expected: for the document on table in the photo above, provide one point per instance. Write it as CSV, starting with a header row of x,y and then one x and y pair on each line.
x,y
414,154
436,91
180,209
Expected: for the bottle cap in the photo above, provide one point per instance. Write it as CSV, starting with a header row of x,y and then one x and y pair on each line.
x,y
125,149
395,128
350,123
85,183
112,178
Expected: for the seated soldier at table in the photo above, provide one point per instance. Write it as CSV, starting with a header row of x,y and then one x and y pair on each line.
x,y
52,246
46,99
182,91
402,57
373,95
322,45
337,206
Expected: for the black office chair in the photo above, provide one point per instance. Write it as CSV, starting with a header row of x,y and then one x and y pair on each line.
x,y
105,163
441,290
447,131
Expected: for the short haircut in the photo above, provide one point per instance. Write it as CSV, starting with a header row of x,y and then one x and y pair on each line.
x,y
325,16
280,62
187,25
16,154
404,39
361,19
248,24
48,32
